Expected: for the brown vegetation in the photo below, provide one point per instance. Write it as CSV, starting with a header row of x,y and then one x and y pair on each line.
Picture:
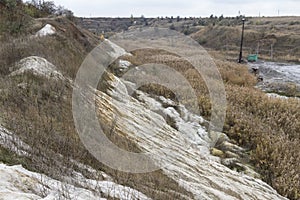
x,y
273,38
39,111
267,127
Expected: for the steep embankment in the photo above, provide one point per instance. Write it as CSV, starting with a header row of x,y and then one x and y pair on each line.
x,y
274,38
20,183
182,147
36,92
184,152
176,140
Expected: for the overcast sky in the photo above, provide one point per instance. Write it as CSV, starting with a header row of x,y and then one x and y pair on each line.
x,y
197,8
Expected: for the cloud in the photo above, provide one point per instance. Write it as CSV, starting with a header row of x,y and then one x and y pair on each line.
x,y
154,8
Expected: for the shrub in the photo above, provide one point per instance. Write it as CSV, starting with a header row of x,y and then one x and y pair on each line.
x,y
12,19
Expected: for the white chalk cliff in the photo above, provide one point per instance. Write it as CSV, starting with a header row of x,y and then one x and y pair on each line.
x,y
175,138
183,150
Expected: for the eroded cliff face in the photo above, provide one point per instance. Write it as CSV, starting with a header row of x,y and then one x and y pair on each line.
x,y
19,183
182,148
176,140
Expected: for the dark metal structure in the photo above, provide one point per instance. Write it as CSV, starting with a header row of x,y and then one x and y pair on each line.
x,y
242,40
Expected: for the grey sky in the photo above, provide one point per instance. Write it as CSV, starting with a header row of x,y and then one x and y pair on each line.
x,y
155,8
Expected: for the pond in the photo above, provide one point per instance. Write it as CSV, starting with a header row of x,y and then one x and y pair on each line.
x,y
282,78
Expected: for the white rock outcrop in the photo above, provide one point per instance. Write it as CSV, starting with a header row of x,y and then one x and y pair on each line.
x,y
46,30
19,183
175,138
184,151
13,143
38,66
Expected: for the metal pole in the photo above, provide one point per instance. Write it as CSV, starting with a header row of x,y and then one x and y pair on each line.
x,y
271,51
242,40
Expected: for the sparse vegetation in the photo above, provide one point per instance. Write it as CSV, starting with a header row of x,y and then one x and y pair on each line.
x,y
39,110
16,16
268,128
220,33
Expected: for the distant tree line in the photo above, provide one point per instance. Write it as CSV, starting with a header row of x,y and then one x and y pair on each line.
x,y
38,8
16,14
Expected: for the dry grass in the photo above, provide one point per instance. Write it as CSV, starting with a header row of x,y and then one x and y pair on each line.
x,y
280,33
65,51
41,115
268,128
39,111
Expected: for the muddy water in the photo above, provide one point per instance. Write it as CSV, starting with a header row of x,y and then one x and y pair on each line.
x,y
277,77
